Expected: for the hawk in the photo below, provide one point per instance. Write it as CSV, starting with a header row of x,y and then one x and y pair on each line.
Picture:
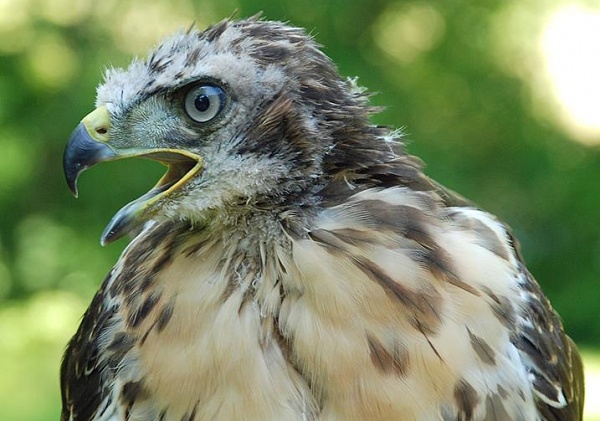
x,y
294,262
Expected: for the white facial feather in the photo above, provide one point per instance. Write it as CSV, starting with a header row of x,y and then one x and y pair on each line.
x,y
124,87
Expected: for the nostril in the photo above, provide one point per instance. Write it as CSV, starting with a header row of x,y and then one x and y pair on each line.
x,y
101,130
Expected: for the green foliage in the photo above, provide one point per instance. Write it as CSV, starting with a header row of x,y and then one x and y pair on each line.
x,y
459,77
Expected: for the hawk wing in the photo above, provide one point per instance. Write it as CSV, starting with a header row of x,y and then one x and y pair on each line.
x,y
555,366
550,355
85,372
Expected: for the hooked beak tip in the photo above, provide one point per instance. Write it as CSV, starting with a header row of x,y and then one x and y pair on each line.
x,y
82,152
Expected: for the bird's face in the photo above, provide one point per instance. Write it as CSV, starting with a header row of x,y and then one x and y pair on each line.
x,y
232,112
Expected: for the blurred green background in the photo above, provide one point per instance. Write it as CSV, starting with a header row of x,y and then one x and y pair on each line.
x,y
501,98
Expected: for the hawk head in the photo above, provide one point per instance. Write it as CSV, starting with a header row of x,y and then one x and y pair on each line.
x,y
245,115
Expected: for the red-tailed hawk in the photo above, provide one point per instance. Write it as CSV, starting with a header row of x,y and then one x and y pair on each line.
x,y
294,262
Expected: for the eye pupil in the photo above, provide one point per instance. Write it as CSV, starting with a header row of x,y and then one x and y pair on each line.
x,y
202,103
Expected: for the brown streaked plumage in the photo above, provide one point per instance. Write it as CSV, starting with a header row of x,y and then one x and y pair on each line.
x,y
295,263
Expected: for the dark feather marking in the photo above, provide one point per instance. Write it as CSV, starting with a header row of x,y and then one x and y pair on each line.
x,y
193,414
394,361
547,388
135,265
437,262
412,223
195,247
247,299
423,306
215,31
141,312
230,288
124,281
502,392
408,221
490,240
355,237
338,190
312,405
156,65
178,76
190,416
165,315
424,316
81,373
553,374
418,326
494,409
130,392
485,353
120,346
147,282
514,244
275,53
487,237
328,239
277,132
164,259
467,399
160,321
107,405
192,57
402,170
502,308
163,415
147,333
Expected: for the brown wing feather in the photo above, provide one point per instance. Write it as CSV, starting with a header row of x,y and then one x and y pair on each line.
x,y
557,368
82,373
555,363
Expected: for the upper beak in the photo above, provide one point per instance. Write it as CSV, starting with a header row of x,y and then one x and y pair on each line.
x,y
89,145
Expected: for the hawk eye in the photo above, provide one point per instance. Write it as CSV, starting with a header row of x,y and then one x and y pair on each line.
x,y
204,102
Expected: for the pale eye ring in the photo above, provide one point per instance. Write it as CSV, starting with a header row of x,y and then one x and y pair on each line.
x,y
204,102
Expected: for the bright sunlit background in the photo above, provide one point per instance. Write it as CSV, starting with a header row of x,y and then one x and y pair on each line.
x,y
500,98
570,45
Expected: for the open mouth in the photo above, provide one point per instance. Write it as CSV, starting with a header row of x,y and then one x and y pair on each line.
x,y
182,166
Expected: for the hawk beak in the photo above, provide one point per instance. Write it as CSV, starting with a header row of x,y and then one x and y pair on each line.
x,y
89,145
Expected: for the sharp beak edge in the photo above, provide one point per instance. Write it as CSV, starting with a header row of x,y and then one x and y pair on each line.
x,y
87,146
